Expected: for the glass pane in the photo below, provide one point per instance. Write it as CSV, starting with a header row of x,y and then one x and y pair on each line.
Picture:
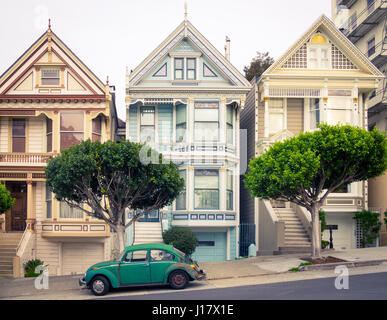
x,y
136,256
229,180
97,125
230,134
49,142
50,73
147,116
179,64
191,75
178,74
48,125
50,82
206,199
161,255
207,179
181,201
181,114
276,122
18,144
95,137
181,130
147,134
206,131
18,127
230,114
229,200
206,114
191,63
69,213
68,139
72,121
48,202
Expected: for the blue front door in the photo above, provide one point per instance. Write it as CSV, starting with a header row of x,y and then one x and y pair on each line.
x,y
150,217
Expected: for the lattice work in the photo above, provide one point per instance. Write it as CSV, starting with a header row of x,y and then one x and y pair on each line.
x,y
340,61
297,60
358,235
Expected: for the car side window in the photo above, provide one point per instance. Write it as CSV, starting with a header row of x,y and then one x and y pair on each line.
x,y
161,255
136,256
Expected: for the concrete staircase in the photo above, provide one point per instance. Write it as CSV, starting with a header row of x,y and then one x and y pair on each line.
x,y
296,238
8,246
148,232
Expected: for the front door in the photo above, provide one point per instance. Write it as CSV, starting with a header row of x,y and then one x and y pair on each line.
x,y
18,213
150,217
134,268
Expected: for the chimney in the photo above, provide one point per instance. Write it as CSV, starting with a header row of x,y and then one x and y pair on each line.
x,y
227,49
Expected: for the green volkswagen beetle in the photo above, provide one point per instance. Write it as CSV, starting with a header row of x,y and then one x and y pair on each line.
x,y
144,264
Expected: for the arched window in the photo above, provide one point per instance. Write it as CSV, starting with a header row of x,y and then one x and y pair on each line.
x,y
319,52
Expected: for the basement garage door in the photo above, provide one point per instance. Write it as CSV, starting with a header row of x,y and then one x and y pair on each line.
x,y
78,257
344,236
212,246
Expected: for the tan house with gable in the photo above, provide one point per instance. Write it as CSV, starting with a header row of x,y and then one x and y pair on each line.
x,y
323,77
49,100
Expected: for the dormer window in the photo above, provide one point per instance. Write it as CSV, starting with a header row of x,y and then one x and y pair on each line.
x,y
50,77
185,68
319,52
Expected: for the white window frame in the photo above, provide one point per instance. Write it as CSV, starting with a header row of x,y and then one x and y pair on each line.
x,y
319,47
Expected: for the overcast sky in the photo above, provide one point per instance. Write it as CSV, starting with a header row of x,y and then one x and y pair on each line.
x,y
110,35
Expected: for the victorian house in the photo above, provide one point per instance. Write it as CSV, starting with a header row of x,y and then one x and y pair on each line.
x,y
364,22
323,77
184,100
49,100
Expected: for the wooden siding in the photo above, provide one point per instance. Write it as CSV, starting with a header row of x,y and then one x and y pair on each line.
x,y
248,122
3,134
295,115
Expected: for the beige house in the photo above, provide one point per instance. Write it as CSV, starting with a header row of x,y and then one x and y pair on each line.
x,y
365,24
49,100
323,77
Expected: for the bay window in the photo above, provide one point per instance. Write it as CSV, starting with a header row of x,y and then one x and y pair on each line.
x,y
67,212
276,115
207,121
71,129
314,113
48,202
206,189
339,110
48,135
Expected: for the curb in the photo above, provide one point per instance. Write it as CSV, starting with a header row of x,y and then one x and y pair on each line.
x,y
350,264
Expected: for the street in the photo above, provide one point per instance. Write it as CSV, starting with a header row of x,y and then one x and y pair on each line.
x,y
371,286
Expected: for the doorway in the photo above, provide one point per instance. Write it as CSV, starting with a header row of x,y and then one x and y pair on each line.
x,y
16,218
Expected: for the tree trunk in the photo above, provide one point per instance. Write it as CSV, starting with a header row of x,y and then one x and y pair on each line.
x,y
316,232
121,235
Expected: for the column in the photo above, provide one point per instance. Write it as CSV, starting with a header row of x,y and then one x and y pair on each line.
x,y
56,132
222,121
30,221
306,114
266,118
222,188
88,127
190,120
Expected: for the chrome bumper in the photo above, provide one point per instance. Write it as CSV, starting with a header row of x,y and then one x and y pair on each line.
x,y
82,281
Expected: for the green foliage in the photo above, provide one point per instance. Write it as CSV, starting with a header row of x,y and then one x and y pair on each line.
x,y
322,216
30,268
258,65
313,161
369,225
302,264
385,219
6,201
91,171
324,244
181,238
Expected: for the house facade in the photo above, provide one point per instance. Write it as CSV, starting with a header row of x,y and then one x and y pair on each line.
x,y
184,100
323,77
49,100
365,24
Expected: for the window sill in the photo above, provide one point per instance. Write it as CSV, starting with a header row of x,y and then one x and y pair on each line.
x,y
185,82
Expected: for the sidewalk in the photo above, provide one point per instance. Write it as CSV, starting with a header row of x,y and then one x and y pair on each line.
x,y
221,274
262,265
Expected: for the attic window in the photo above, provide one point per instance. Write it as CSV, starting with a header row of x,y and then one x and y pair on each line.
x,y
319,52
207,72
162,72
50,77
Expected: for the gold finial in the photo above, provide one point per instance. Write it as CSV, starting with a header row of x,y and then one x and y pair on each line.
x,y
49,23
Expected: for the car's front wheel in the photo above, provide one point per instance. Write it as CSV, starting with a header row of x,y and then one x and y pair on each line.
x,y
99,286
178,279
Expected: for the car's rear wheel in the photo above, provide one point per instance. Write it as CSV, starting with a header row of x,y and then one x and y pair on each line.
x,y
178,279
99,286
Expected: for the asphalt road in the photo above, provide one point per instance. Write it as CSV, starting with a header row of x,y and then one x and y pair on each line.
x,y
372,286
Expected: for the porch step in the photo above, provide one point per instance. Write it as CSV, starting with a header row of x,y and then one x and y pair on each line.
x,y
148,232
9,242
296,238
